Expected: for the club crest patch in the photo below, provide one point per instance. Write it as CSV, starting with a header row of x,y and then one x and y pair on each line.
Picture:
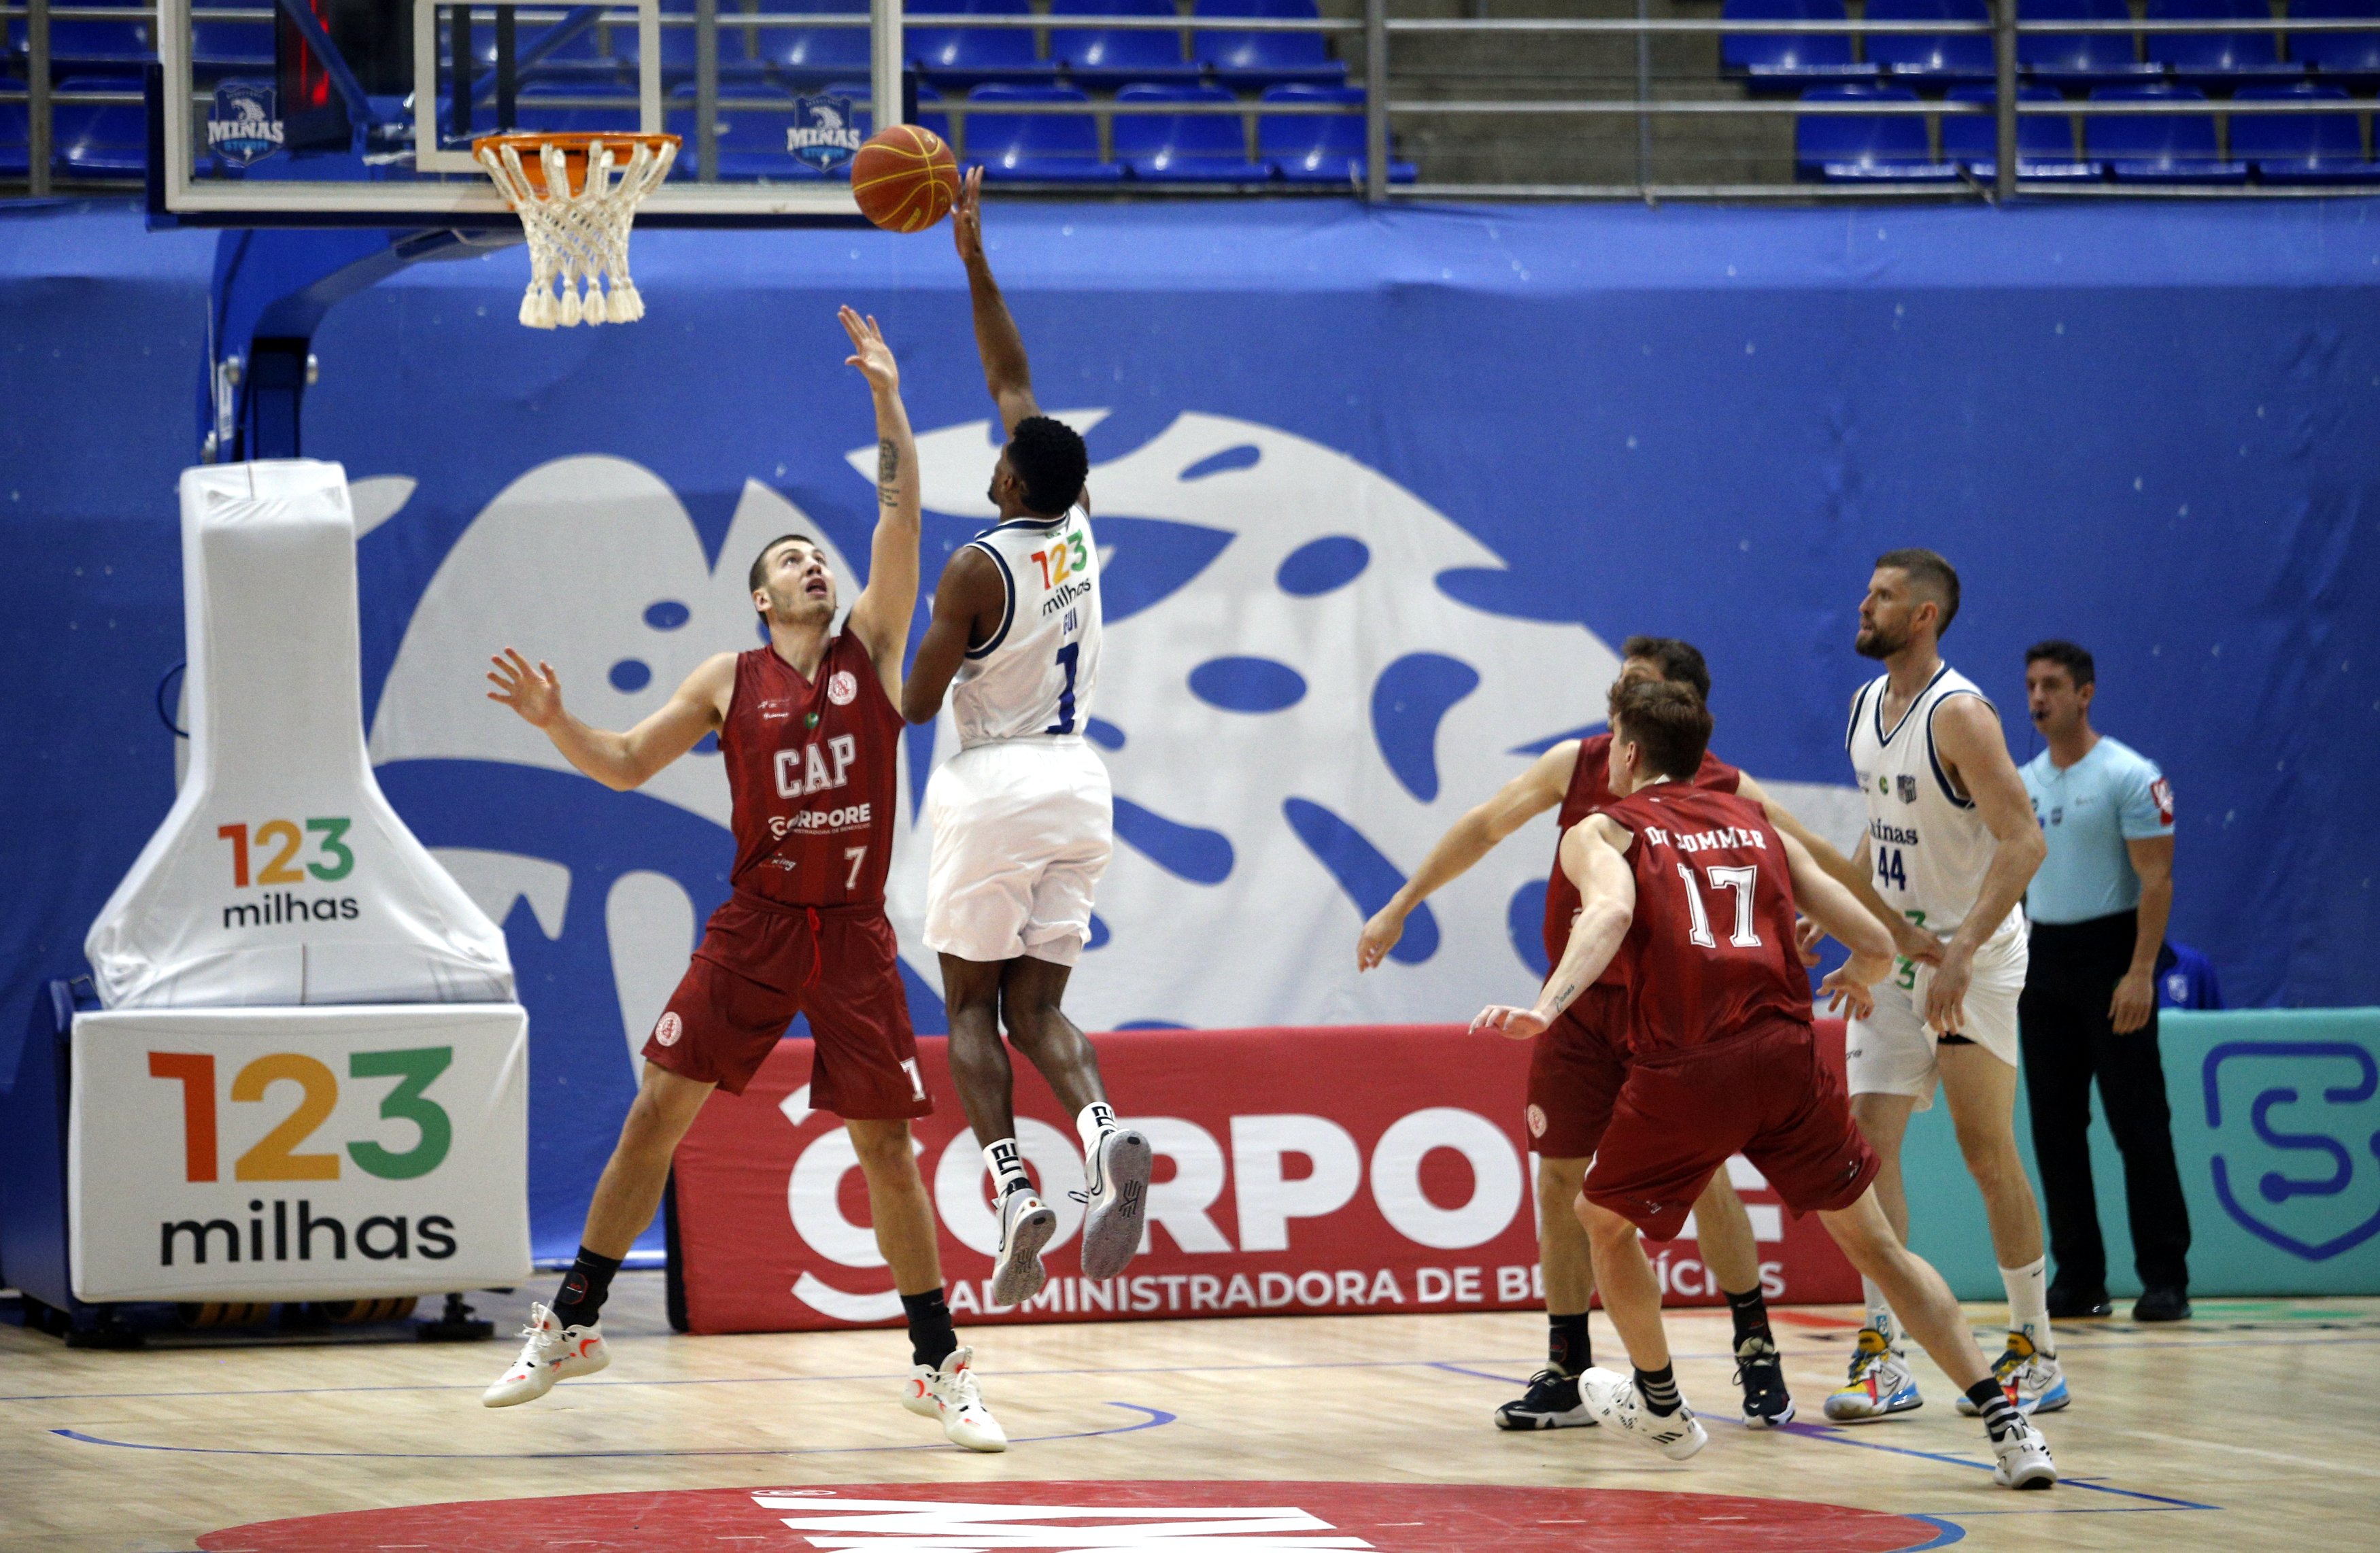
x,y
244,123
823,133
669,1029
1908,785
843,688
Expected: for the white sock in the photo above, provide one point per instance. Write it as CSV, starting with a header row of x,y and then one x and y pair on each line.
x,y
1007,1168
1095,1121
2028,1293
1879,1312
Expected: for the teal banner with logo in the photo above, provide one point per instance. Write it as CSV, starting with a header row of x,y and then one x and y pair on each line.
x,y
2277,1128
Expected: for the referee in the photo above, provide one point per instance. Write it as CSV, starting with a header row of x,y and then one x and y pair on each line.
x,y
2098,907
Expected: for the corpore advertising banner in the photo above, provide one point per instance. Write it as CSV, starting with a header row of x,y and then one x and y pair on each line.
x,y
1341,1171
298,1153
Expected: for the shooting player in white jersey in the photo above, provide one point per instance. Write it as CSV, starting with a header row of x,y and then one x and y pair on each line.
x,y
1951,845
1023,817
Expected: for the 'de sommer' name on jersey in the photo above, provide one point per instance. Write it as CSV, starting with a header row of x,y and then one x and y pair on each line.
x,y
1072,592
1726,838
1894,835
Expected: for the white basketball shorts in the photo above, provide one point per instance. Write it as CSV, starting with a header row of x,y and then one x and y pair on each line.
x,y
1022,828
1893,1052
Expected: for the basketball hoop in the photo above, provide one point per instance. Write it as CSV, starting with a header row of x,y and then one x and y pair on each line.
x,y
576,201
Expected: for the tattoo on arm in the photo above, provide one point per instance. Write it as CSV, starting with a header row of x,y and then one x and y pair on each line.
x,y
888,472
1563,996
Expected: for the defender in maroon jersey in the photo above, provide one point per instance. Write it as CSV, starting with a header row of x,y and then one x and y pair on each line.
x,y
809,734
1574,1071
1689,896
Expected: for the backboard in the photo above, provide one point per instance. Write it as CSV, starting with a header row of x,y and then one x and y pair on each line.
x,y
362,112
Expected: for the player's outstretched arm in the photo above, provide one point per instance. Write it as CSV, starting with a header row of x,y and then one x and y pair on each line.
x,y
1967,736
619,761
1830,903
880,616
1005,370
1907,937
1467,840
968,603
1595,856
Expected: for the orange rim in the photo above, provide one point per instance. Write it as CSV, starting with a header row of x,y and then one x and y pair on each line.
x,y
574,146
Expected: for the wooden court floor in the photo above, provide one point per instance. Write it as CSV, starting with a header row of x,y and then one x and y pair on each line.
x,y
2256,1426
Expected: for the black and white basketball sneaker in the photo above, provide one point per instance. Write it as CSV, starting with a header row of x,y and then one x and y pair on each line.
x,y
1117,1171
1761,1372
1025,1225
1552,1402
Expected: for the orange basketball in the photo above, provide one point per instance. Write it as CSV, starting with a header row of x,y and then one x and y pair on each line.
x,y
904,178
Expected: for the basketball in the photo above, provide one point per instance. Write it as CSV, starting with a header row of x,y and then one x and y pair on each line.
x,y
904,178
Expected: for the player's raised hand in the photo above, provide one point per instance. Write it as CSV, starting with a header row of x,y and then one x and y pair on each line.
x,y
1520,1024
966,218
535,693
1847,986
869,353
1380,936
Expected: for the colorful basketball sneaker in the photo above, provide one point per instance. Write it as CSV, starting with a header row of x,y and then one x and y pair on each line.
x,y
551,1353
2033,1380
1880,1383
1614,1400
1025,1225
1117,1174
2023,1460
1552,1402
948,1395
1760,1370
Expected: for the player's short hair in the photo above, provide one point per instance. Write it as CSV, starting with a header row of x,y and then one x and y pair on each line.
x,y
1934,576
2075,661
1666,722
1682,662
760,572
1049,457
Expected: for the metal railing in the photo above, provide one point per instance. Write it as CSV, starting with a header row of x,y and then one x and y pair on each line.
x,y
1373,68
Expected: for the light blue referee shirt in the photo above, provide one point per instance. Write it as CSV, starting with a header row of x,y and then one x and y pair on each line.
x,y
2087,812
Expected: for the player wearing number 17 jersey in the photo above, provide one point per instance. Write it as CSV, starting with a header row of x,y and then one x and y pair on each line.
x,y
1022,814
1689,896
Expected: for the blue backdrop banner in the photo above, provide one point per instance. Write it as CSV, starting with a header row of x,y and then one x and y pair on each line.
x,y
1381,494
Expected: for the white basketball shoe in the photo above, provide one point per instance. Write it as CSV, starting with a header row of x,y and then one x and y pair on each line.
x,y
551,1353
1025,1225
2023,1459
949,1395
1117,1169
1616,1402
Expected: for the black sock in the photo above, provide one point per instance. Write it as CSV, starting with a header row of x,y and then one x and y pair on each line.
x,y
932,1340
584,1289
1660,1389
1567,1349
1751,1313
2000,1416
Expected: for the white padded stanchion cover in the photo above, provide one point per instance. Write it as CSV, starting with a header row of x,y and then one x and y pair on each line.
x,y
281,875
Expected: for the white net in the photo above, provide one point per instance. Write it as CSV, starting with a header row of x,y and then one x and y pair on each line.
x,y
578,242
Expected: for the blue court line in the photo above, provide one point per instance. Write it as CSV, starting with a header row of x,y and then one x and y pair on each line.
x,y
1945,1534
1156,1418
1842,1437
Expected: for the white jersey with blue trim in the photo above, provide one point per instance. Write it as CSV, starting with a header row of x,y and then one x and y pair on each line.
x,y
1928,847
1033,675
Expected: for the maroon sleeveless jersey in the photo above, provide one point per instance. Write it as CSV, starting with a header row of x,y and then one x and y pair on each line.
x,y
1590,789
1710,953
812,769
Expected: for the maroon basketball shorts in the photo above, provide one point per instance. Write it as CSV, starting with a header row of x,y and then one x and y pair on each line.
x,y
761,964
1765,1094
1574,1076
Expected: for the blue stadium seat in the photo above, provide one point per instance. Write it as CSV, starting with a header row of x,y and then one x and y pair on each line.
x,y
860,91
803,56
1861,147
976,55
677,53
1111,56
1789,62
2347,59
2300,147
2157,148
16,141
2044,144
1041,148
116,51
2082,59
752,146
99,140
226,48
584,58
1265,58
537,108
1183,148
1921,58
2218,59
1319,148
